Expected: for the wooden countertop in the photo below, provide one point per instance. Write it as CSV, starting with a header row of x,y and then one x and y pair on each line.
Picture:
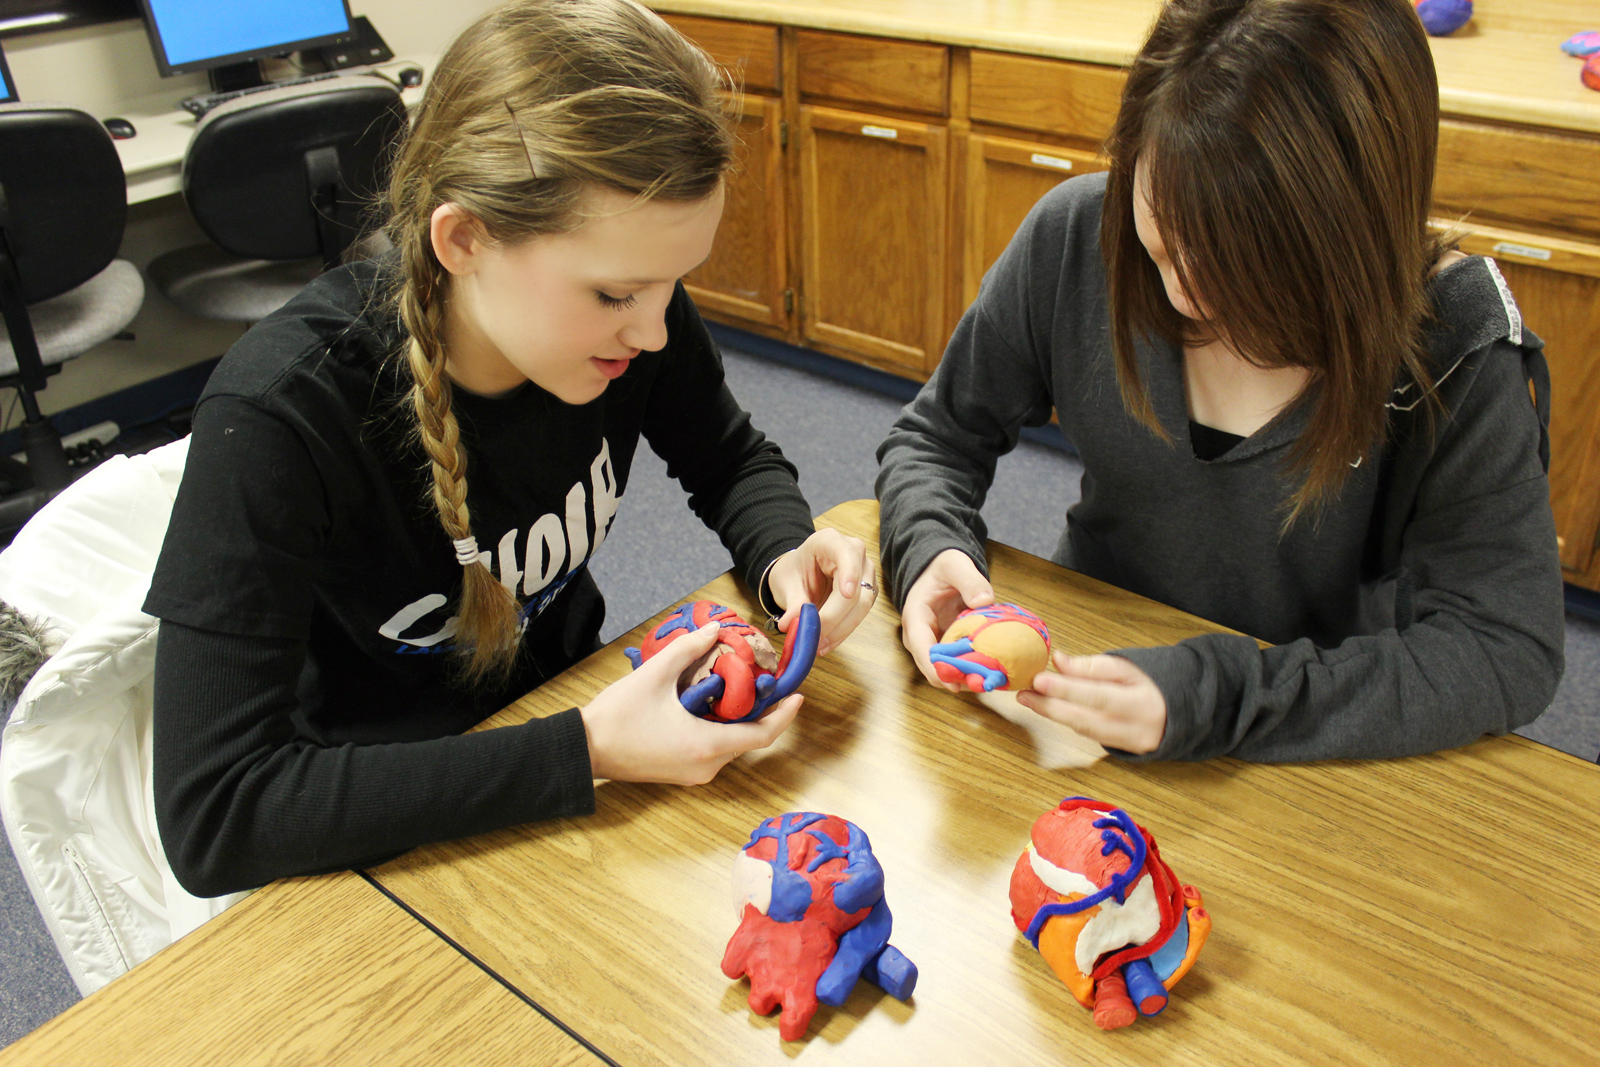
x,y
1506,64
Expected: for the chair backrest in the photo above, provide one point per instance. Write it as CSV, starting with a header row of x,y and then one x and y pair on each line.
x,y
290,173
65,198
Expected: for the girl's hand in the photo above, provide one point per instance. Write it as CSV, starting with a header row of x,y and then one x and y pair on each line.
x,y
951,584
1105,698
832,571
639,732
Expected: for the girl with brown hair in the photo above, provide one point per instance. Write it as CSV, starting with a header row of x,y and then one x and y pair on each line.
x,y
395,482
1324,436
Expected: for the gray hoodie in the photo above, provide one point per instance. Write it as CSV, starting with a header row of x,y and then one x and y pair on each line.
x,y
1419,611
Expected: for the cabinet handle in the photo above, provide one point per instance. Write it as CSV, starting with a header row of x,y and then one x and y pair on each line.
x,y
1050,161
1507,248
881,131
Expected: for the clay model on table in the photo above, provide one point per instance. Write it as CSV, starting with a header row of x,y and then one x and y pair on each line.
x,y
742,676
812,919
1582,44
1443,17
1093,895
998,647
1586,46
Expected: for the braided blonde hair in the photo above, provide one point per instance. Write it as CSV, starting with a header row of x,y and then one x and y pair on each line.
x,y
536,104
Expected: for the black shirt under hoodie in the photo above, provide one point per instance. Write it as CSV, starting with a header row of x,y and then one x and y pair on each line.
x,y
304,716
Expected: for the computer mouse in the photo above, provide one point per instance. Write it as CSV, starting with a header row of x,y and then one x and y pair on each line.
x,y
120,129
411,76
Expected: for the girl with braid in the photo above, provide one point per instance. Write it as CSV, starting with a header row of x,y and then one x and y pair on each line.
x,y
395,482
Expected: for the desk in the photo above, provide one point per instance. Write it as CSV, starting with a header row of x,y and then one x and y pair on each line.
x,y
1439,909
153,160
306,971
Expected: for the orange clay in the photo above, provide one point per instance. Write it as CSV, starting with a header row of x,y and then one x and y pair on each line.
x,y
1019,649
1199,930
1058,944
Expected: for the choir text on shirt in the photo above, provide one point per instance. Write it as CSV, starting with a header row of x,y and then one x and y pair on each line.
x,y
555,545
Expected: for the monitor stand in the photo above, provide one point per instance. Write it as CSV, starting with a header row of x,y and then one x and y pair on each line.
x,y
245,75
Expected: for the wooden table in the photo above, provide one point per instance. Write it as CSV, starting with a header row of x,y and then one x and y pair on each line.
x,y
1435,909
1439,909
307,971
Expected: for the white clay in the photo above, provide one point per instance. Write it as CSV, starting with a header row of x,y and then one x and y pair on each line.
x,y
752,884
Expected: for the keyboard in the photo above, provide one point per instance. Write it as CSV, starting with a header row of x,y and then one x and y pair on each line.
x,y
201,103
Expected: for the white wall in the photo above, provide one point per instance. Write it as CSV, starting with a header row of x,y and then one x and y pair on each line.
x,y
103,68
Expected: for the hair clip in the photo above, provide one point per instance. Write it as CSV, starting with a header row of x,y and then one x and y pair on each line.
x,y
522,137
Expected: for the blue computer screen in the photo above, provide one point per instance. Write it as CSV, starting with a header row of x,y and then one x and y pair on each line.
x,y
7,90
194,30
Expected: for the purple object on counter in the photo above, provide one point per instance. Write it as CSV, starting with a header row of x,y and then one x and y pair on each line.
x,y
1441,17
1586,43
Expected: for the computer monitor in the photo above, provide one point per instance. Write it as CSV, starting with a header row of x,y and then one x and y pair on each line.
x,y
8,88
229,39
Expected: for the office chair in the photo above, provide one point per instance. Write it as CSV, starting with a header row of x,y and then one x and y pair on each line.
x,y
280,181
63,205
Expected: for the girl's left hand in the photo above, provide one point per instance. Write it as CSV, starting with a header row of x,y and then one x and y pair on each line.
x,y
1105,698
832,571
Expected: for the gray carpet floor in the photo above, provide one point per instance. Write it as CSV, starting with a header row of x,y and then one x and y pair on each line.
x,y
658,552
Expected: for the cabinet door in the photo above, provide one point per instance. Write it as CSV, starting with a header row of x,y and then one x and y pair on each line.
x,y
873,237
747,272
1557,287
1005,178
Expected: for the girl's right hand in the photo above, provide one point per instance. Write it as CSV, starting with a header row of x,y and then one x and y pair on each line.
x,y
951,584
640,732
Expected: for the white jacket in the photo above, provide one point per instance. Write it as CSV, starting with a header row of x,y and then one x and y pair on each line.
x,y
75,779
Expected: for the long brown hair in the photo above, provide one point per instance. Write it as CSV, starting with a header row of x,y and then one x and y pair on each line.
x,y
537,103
1289,147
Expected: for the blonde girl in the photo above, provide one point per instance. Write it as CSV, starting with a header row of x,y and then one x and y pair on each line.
x,y
396,481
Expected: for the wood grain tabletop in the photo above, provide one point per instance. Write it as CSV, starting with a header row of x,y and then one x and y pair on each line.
x,y
1437,909
320,970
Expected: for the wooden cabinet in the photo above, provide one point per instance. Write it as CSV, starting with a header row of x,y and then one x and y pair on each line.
x,y
745,281
1005,178
873,237
880,178
1072,99
750,51
877,71
1035,123
1543,179
874,206
1563,308
746,278
1531,199
1556,282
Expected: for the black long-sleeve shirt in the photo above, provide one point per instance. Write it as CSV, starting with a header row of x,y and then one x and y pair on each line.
x,y
305,718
